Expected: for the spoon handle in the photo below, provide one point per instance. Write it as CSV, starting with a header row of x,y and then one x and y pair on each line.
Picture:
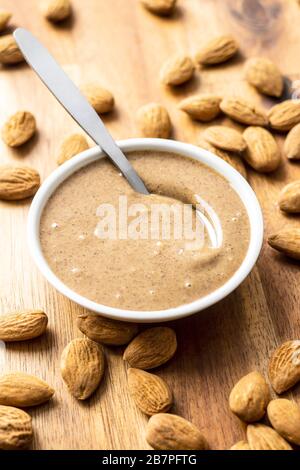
x,y
69,96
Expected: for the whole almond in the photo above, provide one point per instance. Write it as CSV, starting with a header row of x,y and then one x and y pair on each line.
x,y
177,70
233,159
284,415
151,348
71,146
106,331
243,111
225,138
5,16
289,198
203,108
160,7
249,397
287,241
100,98
15,429
241,445
23,325
261,437
57,10
9,50
171,432
153,121
284,366
82,367
18,182
285,115
151,393
292,144
263,74
19,128
216,51
262,153
23,390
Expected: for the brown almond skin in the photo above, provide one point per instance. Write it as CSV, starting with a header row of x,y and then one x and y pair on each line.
x,y
18,182
292,144
57,10
217,50
9,51
151,348
202,108
153,121
106,331
232,158
262,153
99,97
243,111
261,437
19,129
284,415
160,7
289,198
286,241
171,432
177,70
241,445
15,429
23,390
225,138
284,366
284,116
5,16
151,393
264,75
71,146
22,326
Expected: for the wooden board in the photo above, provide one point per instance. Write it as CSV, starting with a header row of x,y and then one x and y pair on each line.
x,y
123,46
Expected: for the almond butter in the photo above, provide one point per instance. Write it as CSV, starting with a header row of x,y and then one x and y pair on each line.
x,y
19,128
150,393
249,397
106,331
229,157
9,50
151,348
289,198
241,445
261,437
262,153
287,241
57,10
153,121
217,50
263,74
177,70
160,7
225,138
292,144
285,115
82,367
100,98
15,429
284,366
23,325
243,111
5,16
18,182
23,390
284,415
203,108
71,146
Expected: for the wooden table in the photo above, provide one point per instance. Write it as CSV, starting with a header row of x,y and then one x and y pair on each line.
x,y
123,46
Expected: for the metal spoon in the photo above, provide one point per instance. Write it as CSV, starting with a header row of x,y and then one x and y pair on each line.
x,y
67,93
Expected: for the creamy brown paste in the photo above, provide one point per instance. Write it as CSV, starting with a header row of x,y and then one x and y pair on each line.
x,y
142,274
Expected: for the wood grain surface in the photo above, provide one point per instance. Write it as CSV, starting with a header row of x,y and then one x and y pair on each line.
x,y
123,46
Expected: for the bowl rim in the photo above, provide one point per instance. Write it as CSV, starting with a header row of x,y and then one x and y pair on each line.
x,y
237,182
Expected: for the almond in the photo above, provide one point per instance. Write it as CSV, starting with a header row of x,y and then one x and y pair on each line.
x,y
177,70
241,445
225,138
261,437
292,144
106,331
71,146
15,429
249,397
57,10
100,98
287,241
153,121
171,432
284,415
151,348
18,182
24,325
150,393
243,111
216,51
262,153
9,50
203,108
160,7
289,198
285,115
19,129
82,367
263,74
229,157
23,390
284,366
5,16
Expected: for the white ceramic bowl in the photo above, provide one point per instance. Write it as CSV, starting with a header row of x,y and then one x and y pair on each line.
x,y
237,182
